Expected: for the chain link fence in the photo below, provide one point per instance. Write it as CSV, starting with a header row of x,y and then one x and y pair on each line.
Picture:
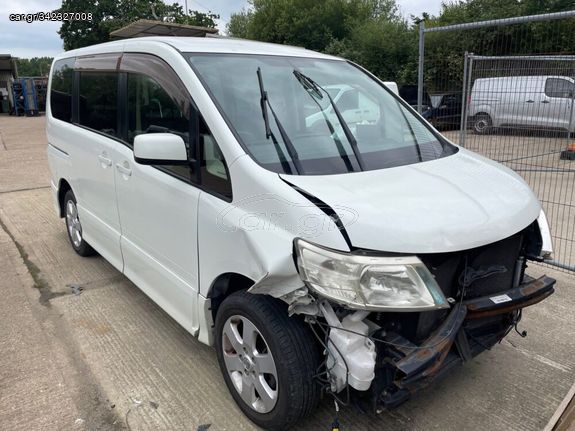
x,y
506,89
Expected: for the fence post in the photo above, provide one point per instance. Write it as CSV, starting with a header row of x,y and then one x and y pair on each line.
x,y
463,123
420,66
470,57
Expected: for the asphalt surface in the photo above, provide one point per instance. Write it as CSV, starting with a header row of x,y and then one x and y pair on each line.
x,y
82,348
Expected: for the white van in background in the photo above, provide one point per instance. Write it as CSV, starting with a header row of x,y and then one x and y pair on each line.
x,y
522,101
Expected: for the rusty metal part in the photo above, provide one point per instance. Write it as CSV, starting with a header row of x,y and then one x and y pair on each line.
x,y
420,365
426,361
529,293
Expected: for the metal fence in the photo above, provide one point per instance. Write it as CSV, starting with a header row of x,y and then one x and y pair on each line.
x,y
509,94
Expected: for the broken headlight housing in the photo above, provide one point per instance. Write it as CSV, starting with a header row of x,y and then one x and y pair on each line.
x,y
378,283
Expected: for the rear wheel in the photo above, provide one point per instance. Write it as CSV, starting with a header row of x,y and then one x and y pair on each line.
x,y
74,226
268,359
482,124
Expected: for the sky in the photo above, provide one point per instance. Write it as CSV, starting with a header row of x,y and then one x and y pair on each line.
x,y
40,39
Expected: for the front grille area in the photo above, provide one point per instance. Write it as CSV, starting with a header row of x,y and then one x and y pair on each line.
x,y
485,271
493,266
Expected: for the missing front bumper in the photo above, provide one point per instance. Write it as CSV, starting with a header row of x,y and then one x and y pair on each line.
x,y
471,327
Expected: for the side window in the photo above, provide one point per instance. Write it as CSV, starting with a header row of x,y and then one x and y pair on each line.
x,y
98,103
213,168
557,87
61,89
158,102
152,110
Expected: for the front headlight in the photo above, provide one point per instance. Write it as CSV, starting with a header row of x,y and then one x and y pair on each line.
x,y
395,283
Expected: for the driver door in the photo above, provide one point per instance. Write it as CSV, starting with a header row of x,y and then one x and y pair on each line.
x,y
158,205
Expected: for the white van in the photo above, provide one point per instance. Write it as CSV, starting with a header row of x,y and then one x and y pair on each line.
x,y
543,102
357,263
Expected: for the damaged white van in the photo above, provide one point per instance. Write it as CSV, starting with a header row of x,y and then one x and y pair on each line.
x,y
360,255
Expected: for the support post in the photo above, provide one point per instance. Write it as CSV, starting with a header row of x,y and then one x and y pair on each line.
x,y
463,122
420,66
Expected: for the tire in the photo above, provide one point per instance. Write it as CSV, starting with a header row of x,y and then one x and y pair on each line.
x,y
74,227
289,343
482,124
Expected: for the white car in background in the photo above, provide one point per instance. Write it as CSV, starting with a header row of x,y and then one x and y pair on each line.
x,y
355,106
361,264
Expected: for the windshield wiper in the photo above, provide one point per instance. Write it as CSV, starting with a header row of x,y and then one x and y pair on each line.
x,y
309,83
264,104
311,87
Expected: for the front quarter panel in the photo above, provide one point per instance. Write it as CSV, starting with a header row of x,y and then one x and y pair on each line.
x,y
253,235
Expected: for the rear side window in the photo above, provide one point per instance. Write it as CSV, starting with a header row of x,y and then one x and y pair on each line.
x,y
61,90
558,87
98,102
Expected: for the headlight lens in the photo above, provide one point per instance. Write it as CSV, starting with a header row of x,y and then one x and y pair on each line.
x,y
396,283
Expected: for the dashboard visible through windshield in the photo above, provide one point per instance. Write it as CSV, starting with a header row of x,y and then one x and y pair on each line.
x,y
312,116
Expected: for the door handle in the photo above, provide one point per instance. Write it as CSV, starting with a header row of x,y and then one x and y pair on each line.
x,y
545,101
106,162
530,101
124,169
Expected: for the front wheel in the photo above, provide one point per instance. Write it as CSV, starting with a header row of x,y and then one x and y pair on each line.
x,y
482,124
268,360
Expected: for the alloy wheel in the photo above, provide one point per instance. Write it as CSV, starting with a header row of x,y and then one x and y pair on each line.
x,y
250,364
73,223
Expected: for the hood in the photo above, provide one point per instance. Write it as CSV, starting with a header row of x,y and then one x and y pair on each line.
x,y
449,204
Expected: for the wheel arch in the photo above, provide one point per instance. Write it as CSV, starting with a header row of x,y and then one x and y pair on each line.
x,y
63,188
224,285
482,112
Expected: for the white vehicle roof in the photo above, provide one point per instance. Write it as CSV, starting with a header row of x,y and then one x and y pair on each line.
x,y
223,45
517,79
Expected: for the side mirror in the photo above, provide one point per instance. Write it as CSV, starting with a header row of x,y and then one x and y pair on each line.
x,y
160,149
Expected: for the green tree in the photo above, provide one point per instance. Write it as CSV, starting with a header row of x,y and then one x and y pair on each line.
x,y
370,32
445,50
36,66
110,15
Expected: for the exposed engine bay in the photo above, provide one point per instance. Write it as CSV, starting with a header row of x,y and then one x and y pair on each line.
x,y
379,359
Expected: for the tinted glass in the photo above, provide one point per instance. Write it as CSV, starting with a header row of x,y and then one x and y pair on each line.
x,y
387,133
98,104
61,90
152,110
558,87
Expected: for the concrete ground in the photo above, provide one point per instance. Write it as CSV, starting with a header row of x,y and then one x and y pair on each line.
x,y
82,348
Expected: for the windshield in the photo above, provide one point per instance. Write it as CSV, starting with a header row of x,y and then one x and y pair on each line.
x,y
288,112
